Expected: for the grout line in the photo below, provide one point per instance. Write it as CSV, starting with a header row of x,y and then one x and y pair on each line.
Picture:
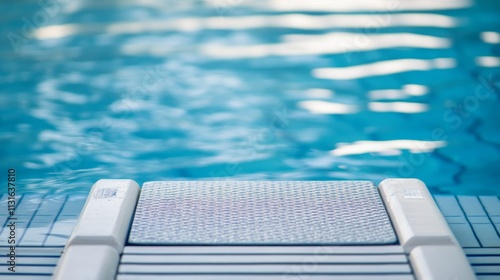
x,y
488,215
66,197
467,219
18,202
31,219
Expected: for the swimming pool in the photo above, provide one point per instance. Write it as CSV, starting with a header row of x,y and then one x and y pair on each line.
x,y
251,90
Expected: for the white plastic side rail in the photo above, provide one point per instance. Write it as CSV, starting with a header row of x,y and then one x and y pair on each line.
x,y
94,247
423,232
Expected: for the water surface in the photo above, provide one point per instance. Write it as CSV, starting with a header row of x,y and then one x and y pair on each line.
x,y
250,90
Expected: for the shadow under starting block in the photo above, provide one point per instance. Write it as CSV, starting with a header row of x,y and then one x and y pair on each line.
x,y
272,230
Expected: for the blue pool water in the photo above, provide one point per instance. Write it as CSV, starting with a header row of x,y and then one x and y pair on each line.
x,y
250,90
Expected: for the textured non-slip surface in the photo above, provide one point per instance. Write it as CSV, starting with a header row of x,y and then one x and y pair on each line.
x,y
261,213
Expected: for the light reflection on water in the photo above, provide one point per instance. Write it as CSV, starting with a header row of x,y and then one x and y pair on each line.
x,y
251,90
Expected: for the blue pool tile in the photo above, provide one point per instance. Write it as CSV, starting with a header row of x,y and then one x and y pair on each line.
x,y
479,220
5,234
4,201
491,204
448,205
35,234
44,218
29,204
464,234
63,226
73,205
487,235
61,231
52,203
56,240
3,219
471,206
456,219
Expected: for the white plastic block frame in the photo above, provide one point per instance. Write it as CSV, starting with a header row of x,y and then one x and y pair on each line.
x,y
423,232
99,235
